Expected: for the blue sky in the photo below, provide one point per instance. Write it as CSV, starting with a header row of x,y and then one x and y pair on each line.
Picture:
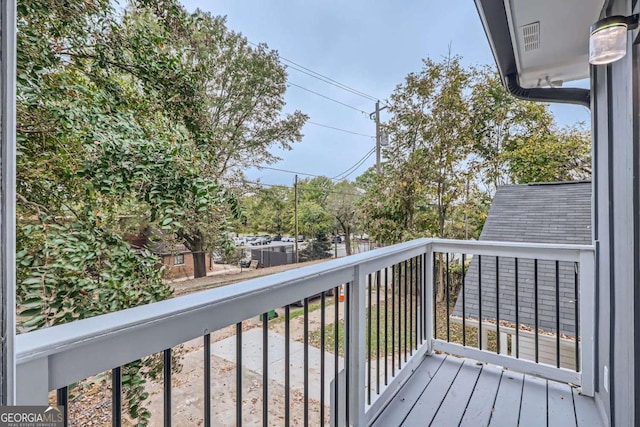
x,y
368,45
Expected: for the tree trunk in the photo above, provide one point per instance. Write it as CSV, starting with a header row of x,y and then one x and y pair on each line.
x,y
199,264
440,284
347,240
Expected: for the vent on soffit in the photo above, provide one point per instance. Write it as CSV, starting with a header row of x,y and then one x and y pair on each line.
x,y
531,36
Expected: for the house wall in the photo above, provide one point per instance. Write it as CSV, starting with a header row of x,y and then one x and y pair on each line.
x,y
615,110
181,271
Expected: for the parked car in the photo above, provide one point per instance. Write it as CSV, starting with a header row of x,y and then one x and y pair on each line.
x,y
336,239
300,238
259,241
288,239
239,241
277,238
267,238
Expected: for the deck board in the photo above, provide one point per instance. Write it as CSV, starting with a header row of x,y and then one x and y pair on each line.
x,y
478,410
506,408
533,408
451,391
560,405
587,414
455,403
398,409
428,403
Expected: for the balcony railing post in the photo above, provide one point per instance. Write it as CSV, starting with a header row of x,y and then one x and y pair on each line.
x,y
357,348
427,302
33,387
587,326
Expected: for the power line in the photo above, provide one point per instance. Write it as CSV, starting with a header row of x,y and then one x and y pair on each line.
x,y
326,97
321,77
341,130
302,184
355,167
293,172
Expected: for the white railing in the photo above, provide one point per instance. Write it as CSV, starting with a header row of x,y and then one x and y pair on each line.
x,y
52,358
583,257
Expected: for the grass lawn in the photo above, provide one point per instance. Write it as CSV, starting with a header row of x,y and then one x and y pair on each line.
x,y
393,341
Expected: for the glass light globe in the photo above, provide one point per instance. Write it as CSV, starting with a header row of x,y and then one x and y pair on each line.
x,y
608,44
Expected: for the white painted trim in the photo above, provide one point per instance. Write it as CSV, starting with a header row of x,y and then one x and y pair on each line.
x,y
8,204
542,251
587,321
357,348
388,392
519,365
77,350
428,281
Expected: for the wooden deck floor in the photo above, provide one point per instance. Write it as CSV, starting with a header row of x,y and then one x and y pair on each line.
x,y
449,391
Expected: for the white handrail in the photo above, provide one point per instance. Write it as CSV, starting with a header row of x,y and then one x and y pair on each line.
x,y
55,357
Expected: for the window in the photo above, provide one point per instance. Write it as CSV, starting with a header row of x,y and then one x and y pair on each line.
x,y
178,259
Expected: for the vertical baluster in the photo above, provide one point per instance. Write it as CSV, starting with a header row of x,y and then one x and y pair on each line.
x,y
423,301
577,313
207,380
480,302
322,350
448,284
393,321
306,362
378,332
167,387
464,312
517,311
287,365
406,309
435,296
535,306
409,273
336,353
369,342
399,316
498,305
415,300
265,369
239,374
116,397
62,399
557,314
347,328
386,326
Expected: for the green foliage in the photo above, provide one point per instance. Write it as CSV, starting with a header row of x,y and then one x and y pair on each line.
x,y
318,248
456,135
130,119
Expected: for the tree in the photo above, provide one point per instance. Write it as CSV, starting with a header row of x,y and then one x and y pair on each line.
x,y
270,210
341,204
517,141
318,248
431,141
230,98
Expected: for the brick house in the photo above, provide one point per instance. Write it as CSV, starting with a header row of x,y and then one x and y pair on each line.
x,y
176,259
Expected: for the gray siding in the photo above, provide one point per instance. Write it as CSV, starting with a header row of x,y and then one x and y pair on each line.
x,y
542,213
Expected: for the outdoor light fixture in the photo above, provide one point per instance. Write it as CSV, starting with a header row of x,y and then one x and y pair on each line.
x,y
608,40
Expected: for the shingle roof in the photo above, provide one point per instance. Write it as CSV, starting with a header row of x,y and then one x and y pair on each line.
x,y
535,213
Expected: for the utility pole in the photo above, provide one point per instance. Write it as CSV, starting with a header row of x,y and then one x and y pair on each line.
x,y
378,137
295,214
376,117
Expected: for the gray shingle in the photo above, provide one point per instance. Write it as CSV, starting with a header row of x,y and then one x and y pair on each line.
x,y
534,213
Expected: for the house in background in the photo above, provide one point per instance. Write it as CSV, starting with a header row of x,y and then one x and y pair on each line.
x,y
177,260
559,213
